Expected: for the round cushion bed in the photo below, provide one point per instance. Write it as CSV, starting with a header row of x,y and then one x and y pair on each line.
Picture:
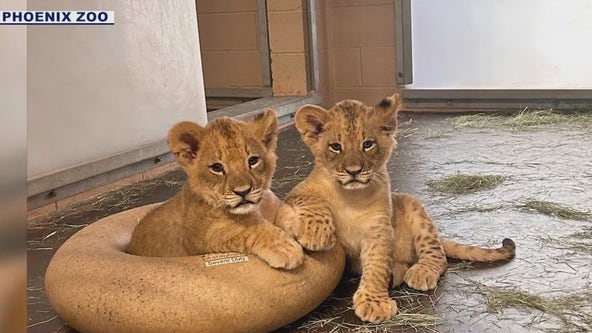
x,y
96,287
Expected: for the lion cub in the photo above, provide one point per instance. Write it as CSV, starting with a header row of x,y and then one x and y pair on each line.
x,y
226,205
347,197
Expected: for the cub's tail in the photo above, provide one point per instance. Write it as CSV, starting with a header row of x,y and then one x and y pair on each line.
x,y
456,250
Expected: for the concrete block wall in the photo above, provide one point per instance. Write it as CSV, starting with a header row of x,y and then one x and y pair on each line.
x,y
355,40
289,46
229,38
361,43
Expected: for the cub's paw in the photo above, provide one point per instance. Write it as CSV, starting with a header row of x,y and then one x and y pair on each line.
x,y
373,308
317,235
421,277
286,253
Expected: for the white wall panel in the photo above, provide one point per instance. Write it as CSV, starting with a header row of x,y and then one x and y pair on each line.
x,y
502,44
13,97
95,91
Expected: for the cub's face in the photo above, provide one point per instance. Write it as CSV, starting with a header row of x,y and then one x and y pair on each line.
x,y
351,140
229,162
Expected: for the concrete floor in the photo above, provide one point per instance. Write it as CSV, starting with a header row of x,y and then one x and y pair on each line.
x,y
554,254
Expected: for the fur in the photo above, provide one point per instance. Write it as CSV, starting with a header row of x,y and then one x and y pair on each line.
x,y
226,205
347,198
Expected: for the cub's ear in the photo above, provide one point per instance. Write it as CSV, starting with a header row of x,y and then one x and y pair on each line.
x,y
311,120
387,111
184,140
266,128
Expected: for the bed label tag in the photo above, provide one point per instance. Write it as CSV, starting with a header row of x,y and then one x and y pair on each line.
x,y
216,259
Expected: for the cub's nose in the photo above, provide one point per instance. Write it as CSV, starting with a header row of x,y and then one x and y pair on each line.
x,y
242,191
353,170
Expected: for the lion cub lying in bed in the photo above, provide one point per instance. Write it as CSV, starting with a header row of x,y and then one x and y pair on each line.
x,y
226,205
347,198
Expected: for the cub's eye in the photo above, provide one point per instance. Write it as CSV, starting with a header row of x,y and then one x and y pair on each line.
x,y
253,160
335,147
217,168
368,144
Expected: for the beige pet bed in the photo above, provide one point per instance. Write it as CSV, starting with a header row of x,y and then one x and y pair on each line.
x,y
96,287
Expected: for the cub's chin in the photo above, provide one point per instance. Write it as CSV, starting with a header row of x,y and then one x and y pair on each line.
x,y
244,208
354,185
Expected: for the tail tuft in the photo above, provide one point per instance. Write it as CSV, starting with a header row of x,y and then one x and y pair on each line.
x,y
509,247
509,244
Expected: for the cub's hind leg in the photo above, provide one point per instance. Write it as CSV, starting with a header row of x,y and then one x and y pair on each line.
x,y
431,259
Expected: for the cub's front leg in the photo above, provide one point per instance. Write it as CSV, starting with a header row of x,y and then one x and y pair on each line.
x,y
371,301
262,239
309,220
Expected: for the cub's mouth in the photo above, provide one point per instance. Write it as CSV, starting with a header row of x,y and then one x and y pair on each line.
x,y
355,184
245,206
357,179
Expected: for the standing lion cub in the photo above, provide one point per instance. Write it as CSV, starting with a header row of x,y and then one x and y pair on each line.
x,y
226,205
